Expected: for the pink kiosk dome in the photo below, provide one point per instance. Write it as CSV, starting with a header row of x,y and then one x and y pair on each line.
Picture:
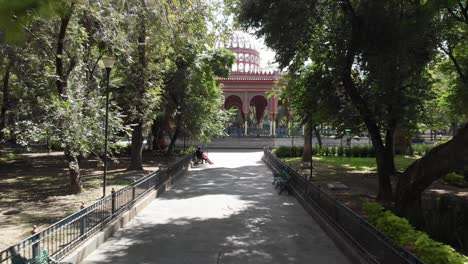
x,y
247,56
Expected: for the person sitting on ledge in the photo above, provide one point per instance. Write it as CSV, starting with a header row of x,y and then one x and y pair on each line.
x,y
200,155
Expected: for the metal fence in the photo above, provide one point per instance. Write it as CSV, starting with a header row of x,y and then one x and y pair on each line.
x,y
64,236
370,243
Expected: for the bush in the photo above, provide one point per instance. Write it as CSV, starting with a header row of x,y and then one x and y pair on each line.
x,y
455,180
299,151
347,152
421,149
364,151
282,151
326,151
316,150
340,152
333,151
428,250
189,150
288,151
120,148
356,151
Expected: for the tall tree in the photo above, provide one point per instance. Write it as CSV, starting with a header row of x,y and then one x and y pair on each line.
x,y
379,53
451,156
8,63
65,109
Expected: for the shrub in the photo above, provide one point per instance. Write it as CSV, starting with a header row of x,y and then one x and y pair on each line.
x,y
288,151
428,250
189,150
455,180
364,151
121,148
421,149
333,151
347,152
316,150
356,151
326,151
282,152
299,151
340,151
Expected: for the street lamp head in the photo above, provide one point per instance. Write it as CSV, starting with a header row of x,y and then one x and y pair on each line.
x,y
108,62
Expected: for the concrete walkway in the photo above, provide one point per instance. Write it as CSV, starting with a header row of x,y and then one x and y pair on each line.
x,y
225,213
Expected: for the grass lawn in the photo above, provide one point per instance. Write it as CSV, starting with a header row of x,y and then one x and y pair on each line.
x,y
353,163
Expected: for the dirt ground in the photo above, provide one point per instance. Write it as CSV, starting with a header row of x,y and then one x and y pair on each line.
x,y
362,185
33,189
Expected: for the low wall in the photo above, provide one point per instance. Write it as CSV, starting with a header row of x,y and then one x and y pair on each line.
x,y
79,254
446,218
261,142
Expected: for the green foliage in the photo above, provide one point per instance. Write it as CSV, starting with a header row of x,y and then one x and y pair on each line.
x,y
332,151
9,157
299,151
16,13
340,152
120,148
284,152
347,152
373,211
354,151
189,150
288,151
362,164
455,180
421,149
399,229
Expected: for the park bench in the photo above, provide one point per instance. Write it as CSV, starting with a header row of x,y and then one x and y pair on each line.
x,y
196,160
281,181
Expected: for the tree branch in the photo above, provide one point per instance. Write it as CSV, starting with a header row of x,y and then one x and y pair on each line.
x,y
458,68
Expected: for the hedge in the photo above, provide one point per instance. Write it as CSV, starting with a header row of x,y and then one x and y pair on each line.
x,y
354,151
418,242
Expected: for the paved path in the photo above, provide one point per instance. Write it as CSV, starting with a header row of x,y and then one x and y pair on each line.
x,y
225,213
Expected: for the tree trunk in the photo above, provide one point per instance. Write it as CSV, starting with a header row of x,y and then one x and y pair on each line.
x,y
6,101
319,138
402,141
173,141
61,81
451,156
307,153
75,176
61,84
149,141
158,134
136,159
385,164
385,188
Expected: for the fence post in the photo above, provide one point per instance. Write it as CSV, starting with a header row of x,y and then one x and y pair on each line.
x,y
133,192
113,201
35,239
306,183
83,225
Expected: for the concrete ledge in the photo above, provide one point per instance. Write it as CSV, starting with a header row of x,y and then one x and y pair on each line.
x,y
341,240
80,253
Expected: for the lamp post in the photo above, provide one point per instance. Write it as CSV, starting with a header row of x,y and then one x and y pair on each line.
x,y
108,63
348,137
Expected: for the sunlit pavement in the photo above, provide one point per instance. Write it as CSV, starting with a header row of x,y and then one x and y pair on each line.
x,y
223,213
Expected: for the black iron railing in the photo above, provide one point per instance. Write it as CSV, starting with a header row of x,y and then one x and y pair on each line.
x,y
370,243
64,236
